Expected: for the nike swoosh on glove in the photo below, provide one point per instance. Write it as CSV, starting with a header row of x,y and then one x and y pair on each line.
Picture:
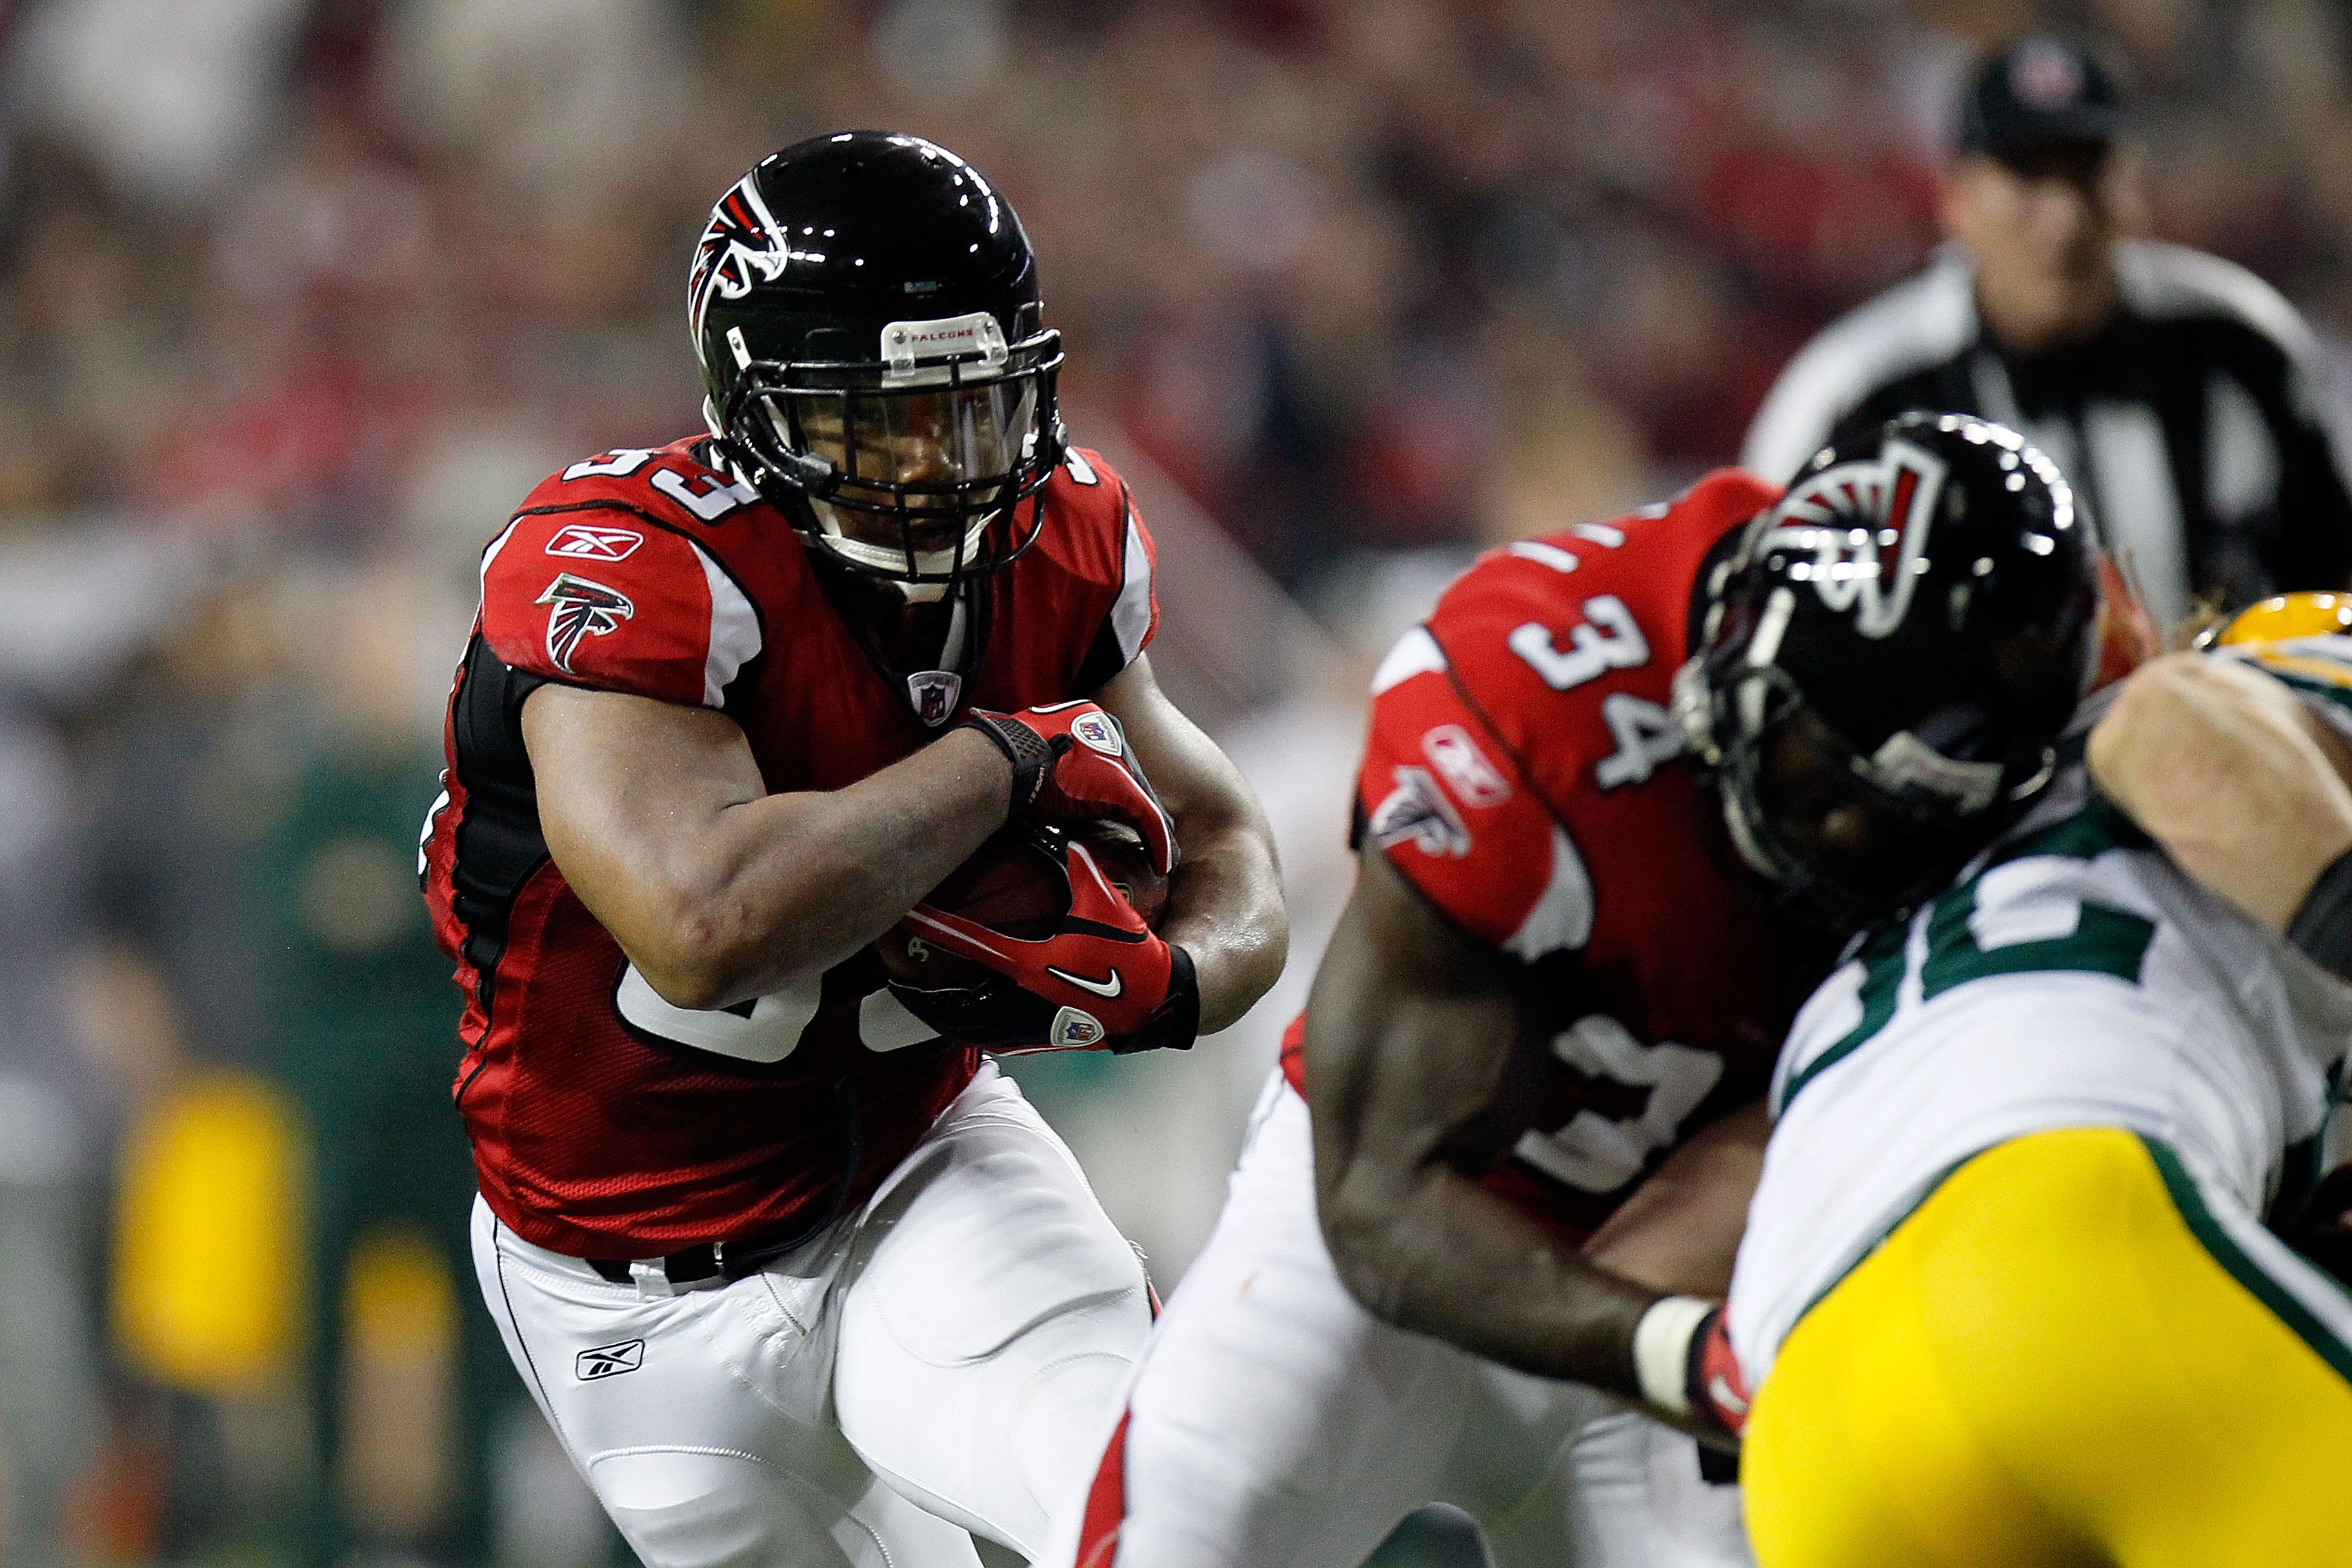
x,y
1071,763
1718,1392
1102,980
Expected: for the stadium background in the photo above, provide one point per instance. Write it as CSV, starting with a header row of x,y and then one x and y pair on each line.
x,y
301,296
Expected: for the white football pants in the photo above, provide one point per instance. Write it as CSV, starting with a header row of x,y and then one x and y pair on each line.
x,y
948,1360
1274,1421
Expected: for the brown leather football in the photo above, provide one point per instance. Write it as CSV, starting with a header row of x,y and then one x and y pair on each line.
x,y
1016,883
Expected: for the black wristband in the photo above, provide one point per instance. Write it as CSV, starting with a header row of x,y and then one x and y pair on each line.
x,y
1031,754
2322,926
1175,1024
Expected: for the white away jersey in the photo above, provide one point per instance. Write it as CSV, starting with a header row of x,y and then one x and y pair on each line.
x,y
2072,977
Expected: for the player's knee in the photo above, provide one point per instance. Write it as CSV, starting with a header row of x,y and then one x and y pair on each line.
x,y
688,1509
1068,1262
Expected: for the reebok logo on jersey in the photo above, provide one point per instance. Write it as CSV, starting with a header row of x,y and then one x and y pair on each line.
x,y
578,608
583,542
1865,525
1460,763
609,1361
1416,809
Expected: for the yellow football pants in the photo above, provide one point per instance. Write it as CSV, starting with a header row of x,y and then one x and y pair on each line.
x,y
2067,1355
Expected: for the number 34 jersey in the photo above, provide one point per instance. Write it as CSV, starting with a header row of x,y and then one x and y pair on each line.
x,y
1521,773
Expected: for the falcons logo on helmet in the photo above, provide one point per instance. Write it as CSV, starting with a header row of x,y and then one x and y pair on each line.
x,y
1865,523
578,608
742,244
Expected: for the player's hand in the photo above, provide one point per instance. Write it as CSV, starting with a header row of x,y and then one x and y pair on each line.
x,y
2223,766
1684,1363
1103,981
1718,1392
1071,763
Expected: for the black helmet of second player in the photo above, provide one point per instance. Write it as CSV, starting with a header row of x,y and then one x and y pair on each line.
x,y
1887,662
865,306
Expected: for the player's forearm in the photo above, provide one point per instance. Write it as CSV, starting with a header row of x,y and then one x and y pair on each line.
x,y
780,888
1679,1230
1455,1262
1226,908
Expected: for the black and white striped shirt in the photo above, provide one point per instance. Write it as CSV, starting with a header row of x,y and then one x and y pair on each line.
x,y
2200,422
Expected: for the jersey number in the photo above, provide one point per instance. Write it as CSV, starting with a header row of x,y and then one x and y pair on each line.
x,y
1595,1154
714,500
1647,735
769,1029
1608,639
615,463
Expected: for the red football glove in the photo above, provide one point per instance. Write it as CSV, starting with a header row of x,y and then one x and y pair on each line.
x,y
1682,1360
1071,763
1103,981
1718,1391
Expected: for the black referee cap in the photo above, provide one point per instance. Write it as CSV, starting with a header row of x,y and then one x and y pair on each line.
x,y
2043,88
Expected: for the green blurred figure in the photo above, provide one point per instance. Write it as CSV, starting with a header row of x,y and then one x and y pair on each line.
x,y
402,1367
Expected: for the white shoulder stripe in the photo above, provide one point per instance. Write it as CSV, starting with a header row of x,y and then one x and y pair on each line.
x,y
734,631
1415,652
1562,918
1131,617
1910,327
2172,281
2242,458
2168,282
490,551
1543,555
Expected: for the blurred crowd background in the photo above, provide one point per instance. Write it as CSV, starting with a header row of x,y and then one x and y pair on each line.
x,y
301,296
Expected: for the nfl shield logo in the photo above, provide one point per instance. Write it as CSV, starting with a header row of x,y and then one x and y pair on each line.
x,y
934,692
1075,1030
1099,730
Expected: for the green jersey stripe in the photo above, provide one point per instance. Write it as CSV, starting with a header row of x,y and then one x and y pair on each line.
x,y
2243,1267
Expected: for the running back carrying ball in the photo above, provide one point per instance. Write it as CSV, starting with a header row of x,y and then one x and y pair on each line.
x,y
1018,884
1095,978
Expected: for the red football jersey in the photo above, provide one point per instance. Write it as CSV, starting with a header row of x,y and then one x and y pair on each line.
x,y
1519,775
606,1122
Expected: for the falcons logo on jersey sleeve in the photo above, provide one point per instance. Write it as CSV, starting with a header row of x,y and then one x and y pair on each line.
x,y
579,608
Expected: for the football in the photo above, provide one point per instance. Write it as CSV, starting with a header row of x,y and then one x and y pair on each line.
x,y
1016,883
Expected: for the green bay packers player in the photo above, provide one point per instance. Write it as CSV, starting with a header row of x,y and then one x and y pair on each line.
x,y
2009,1291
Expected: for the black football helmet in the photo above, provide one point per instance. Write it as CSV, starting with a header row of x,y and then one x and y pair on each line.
x,y
1886,661
865,306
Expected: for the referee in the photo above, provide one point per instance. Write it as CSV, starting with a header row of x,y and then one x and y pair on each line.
x,y
2182,394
